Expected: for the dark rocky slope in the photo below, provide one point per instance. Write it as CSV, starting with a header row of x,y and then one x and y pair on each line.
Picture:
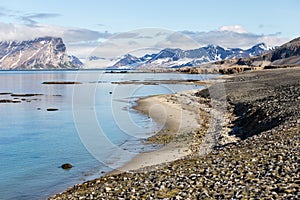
x,y
287,55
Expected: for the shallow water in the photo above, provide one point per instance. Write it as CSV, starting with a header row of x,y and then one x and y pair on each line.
x,y
35,142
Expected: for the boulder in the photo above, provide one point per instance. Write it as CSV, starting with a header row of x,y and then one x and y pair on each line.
x,y
66,166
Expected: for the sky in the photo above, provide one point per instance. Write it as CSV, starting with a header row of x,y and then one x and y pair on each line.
x,y
84,24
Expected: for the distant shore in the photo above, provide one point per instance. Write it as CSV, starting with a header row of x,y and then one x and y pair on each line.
x,y
256,155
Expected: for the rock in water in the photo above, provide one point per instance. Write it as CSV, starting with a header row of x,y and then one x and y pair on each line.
x,y
52,109
66,166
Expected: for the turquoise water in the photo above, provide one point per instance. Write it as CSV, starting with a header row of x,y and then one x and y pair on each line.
x,y
35,142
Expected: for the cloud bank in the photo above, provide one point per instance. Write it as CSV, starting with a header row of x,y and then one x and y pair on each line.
x,y
235,36
81,42
233,28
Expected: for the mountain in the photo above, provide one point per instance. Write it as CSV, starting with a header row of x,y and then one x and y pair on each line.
x,y
40,53
287,54
75,61
127,60
283,56
177,58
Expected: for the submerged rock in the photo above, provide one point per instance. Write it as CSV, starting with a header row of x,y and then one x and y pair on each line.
x,y
61,82
5,93
25,95
52,109
66,166
9,101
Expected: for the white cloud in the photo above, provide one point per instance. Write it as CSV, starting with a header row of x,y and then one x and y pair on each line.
x,y
22,32
233,28
70,35
273,40
81,51
31,19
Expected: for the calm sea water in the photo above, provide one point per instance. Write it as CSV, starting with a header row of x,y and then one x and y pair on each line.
x,y
35,142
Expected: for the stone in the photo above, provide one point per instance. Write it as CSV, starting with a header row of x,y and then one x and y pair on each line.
x,y
9,101
52,109
66,166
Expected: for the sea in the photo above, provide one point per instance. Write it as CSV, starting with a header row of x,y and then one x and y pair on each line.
x,y
92,125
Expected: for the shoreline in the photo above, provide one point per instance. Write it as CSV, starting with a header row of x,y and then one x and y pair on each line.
x,y
175,117
262,164
177,106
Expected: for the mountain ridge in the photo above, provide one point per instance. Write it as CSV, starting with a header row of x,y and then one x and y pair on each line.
x,y
178,58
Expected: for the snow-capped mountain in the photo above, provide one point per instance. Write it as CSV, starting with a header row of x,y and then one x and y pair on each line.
x,y
75,61
128,60
176,58
40,53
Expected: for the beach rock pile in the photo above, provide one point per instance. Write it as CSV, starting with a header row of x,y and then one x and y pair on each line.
x,y
263,166
282,104
264,100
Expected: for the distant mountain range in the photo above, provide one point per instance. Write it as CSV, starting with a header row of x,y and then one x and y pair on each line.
x,y
40,53
177,58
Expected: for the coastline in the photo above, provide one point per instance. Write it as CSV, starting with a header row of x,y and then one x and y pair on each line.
x,y
176,116
179,121
183,127
269,138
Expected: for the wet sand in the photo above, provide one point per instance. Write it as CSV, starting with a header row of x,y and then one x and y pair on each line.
x,y
176,115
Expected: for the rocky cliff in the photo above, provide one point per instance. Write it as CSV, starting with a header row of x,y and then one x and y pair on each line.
x,y
40,53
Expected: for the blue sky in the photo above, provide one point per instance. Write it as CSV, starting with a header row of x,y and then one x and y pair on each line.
x,y
272,19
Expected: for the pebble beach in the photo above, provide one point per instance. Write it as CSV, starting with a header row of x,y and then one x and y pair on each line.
x,y
252,152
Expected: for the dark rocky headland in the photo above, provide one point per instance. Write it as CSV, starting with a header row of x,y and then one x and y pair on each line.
x,y
262,164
